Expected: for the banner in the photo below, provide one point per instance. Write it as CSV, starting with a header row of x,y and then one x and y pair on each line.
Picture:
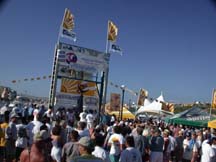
x,y
214,99
68,26
168,107
115,102
142,96
71,101
115,48
68,20
112,31
82,59
78,86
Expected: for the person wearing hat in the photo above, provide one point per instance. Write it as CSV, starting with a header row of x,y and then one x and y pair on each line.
x,y
85,150
39,151
11,136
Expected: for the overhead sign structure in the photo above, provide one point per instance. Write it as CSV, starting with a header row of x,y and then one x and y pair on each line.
x,y
80,70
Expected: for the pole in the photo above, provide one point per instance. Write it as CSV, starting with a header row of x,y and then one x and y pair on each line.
x,y
101,97
107,70
53,80
123,92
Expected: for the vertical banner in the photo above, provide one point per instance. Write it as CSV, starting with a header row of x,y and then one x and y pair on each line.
x,y
214,99
67,26
168,107
142,95
115,102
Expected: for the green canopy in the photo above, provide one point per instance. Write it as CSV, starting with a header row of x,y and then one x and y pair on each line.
x,y
191,117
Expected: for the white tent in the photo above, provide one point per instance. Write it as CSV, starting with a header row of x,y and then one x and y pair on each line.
x,y
154,107
147,102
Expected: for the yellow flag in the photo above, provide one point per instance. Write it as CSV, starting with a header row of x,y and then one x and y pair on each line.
x,y
214,99
112,31
142,96
68,22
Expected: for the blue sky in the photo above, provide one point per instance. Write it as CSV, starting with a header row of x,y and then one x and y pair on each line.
x,y
168,45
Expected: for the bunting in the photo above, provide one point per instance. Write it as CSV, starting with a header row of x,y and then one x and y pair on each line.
x,y
31,79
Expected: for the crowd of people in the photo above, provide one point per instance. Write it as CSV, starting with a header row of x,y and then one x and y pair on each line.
x,y
37,134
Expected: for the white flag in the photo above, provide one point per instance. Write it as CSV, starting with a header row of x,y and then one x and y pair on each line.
x,y
115,48
68,34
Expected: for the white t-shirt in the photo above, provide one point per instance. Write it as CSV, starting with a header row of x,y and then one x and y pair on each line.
x,y
83,133
82,116
101,153
116,140
207,152
89,118
32,128
130,154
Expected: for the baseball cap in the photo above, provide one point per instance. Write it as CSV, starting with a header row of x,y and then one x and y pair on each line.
x,y
42,135
85,141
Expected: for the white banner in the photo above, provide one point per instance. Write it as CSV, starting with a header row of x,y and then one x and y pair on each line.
x,y
71,101
82,59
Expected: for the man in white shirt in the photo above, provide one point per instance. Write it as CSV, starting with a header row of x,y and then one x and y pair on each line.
x,y
33,127
207,151
130,154
89,119
98,150
82,116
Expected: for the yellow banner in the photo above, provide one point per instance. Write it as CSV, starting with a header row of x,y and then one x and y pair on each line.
x,y
78,86
168,107
112,31
214,99
68,22
142,95
115,102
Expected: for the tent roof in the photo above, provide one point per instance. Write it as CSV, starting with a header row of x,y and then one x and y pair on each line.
x,y
212,124
146,102
126,114
155,106
193,117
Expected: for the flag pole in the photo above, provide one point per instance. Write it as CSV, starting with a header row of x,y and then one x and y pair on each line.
x,y
61,26
107,70
54,69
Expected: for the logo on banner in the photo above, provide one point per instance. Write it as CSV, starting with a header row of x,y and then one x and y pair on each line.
x,y
71,57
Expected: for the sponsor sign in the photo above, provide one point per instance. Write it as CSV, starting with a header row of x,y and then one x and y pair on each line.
x,y
82,59
78,86
71,101
198,118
